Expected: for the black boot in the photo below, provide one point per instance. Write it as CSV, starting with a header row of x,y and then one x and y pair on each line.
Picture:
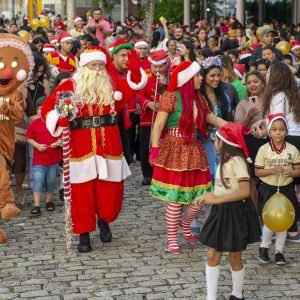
x,y
105,233
236,298
84,243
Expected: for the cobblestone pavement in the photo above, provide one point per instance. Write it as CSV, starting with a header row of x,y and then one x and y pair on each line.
x,y
35,265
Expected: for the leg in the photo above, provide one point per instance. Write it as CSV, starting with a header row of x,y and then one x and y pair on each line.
x,y
173,214
124,133
212,272
264,246
19,190
279,244
191,212
8,209
253,191
238,274
39,174
144,154
51,182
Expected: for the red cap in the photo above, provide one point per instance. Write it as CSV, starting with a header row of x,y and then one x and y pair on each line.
x,y
279,116
158,57
76,19
295,45
239,70
233,134
49,48
139,43
64,37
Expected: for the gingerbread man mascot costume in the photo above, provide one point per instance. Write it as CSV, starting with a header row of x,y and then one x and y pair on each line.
x,y
16,63
97,165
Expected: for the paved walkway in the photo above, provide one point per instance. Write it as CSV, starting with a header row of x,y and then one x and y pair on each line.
x,y
34,263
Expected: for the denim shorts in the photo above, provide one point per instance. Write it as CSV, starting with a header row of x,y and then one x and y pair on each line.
x,y
43,178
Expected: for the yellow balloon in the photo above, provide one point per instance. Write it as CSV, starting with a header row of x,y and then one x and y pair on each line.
x,y
44,22
259,31
34,23
284,47
24,35
278,213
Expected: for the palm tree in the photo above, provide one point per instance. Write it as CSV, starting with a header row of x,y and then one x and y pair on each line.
x,y
149,13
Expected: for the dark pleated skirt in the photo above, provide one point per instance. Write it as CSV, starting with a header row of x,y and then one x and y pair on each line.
x,y
266,191
231,226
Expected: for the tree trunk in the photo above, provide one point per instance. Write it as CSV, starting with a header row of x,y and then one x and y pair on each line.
x,y
149,20
70,13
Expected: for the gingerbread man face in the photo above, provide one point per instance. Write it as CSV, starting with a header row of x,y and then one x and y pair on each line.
x,y
16,61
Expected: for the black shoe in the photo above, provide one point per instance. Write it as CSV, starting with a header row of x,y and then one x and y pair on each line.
x,y
61,195
236,298
146,181
84,243
105,233
264,255
279,258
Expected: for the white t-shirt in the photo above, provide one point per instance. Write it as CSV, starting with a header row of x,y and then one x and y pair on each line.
x,y
279,104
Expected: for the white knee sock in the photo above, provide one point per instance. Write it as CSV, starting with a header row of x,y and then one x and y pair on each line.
x,y
280,240
266,237
212,277
237,283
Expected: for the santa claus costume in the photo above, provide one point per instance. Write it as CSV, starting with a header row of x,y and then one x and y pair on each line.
x,y
97,165
180,172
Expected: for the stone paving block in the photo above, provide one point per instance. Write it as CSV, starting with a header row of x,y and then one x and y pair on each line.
x,y
79,296
159,296
33,294
8,296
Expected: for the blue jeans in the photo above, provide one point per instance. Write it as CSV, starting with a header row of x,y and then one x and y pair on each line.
x,y
44,178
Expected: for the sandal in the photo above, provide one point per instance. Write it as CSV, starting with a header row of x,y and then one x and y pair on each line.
x,y
50,206
36,210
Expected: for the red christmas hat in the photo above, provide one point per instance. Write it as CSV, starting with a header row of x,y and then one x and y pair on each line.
x,y
64,37
182,74
295,45
49,48
233,134
53,40
245,54
140,43
93,53
119,45
239,70
279,116
76,19
158,57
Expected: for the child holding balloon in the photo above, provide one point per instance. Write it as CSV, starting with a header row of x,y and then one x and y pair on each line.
x,y
233,222
276,164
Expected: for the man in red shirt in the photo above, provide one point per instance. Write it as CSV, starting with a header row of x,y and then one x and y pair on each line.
x,y
58,24
158,60
103,28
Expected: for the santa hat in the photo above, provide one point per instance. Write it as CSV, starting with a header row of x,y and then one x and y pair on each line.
x,y
245,54
295,45
182,74
239,70
233,135
255,46
64,37
53,40
49,48
140,43
274,117
158,57
91,54
119,45
76,19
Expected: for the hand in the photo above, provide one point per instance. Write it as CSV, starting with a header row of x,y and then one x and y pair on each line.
x,y
287,172
56,144
153,155
63,122
153,106
209,198
252,113
133,61
277,170
257,128
41,147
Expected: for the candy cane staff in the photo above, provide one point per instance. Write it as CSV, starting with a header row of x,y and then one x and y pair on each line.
x,y
16,64
97,165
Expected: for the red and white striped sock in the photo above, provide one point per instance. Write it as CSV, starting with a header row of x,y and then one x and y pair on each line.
x,y
191,212
173,214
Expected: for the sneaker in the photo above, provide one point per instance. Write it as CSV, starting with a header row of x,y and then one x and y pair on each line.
x,y
279,258
105,233
84,243
173,248
146,181
232,297
294,239
264,255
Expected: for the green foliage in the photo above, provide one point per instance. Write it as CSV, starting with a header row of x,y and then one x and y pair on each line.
x,y
106,5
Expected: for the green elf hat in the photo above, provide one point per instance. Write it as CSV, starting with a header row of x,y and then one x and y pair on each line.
x,y
119,45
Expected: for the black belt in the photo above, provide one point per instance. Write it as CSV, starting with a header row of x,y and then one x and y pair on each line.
x,y
93,122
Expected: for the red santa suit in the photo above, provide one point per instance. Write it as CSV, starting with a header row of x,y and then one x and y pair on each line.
x,y
97,165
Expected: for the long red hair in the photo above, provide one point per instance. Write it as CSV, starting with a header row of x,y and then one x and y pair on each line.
x,y
186,122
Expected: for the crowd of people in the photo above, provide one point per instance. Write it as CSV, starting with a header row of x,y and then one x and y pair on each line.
x,y
212,115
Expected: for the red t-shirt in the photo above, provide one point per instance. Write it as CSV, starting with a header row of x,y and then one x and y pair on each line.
x,y
38,131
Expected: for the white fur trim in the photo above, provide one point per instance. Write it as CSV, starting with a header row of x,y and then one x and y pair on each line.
x,y
141,84
295,47
141,43
185,75
117,96
110,49
275,119
77,19
88,57
245,56
157,63
51,122
48,50
226,141
67,38
98,167
237,72
54,41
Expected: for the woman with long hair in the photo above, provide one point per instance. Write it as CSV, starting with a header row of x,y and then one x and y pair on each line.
x,y
229,76
282,96
202,37
181,174
187,52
